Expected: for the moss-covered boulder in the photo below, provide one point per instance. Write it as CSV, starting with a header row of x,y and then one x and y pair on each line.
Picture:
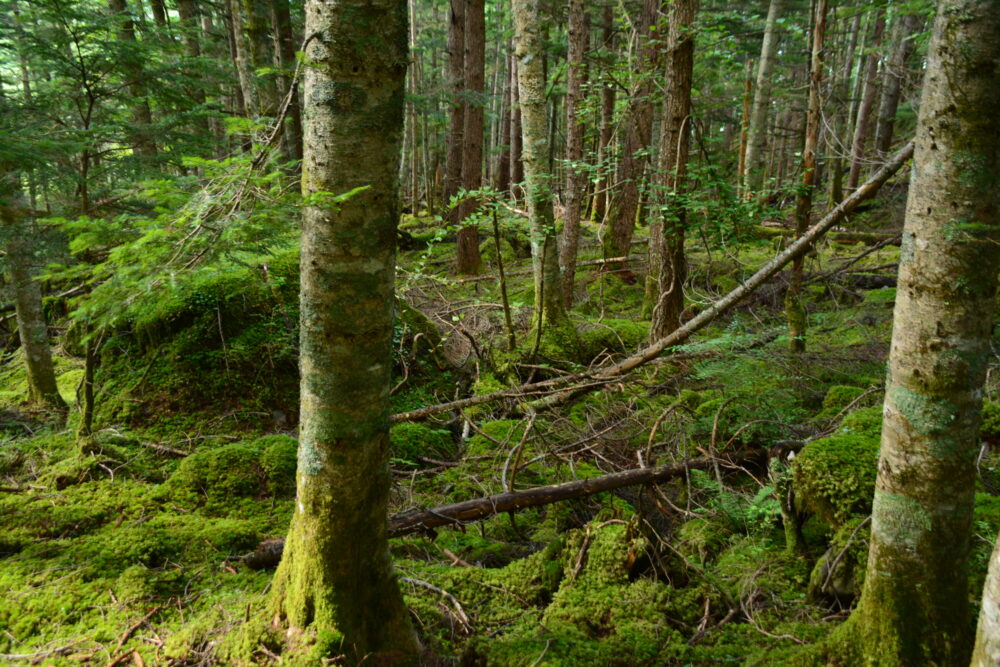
x,y
835,476
263,467
837,398
411,441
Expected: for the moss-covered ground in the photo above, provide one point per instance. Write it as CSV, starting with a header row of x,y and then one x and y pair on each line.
x,y
129,552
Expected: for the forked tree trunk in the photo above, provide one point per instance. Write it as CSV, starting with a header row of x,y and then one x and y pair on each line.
x,y
528,30
670,263
794,309
914,608
336,576
757,134
575,180
469,261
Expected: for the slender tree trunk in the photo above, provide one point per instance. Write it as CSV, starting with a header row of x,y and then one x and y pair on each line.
x,y
624,201
142,137
794,309
840,121
528,30
757,133
285,44
744,128
469,261
31,327
914,608
501,179
456,82
862,127
575,178
336,576
607,118
670,263
895,74
516,134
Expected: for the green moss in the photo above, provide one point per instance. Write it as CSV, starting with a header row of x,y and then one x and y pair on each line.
x,y
264,467
847,557
990,428
837,398
701,539
835,476
409,441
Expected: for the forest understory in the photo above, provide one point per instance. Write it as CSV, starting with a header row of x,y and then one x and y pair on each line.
x,y
153,541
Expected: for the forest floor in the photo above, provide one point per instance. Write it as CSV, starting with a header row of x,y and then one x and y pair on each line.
x,y
128,550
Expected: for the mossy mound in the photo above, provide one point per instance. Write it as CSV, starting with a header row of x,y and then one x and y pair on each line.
x,y
262,468
412,441
837,398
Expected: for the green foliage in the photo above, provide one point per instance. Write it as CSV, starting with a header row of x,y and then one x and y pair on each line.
x,y
837,398
409,441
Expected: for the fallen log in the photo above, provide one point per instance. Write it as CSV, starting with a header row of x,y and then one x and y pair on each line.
x,y
599,377
268,554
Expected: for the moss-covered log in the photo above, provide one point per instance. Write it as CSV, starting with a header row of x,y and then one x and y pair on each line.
x,y
335,584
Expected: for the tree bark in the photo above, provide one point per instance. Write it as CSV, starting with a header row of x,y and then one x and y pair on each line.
x,y
757,134
914,606
575,178
336,576
670,262
285,42
986,652
794,309
624,198
31,327
862,127
142,138
469,261
895,74
601,186
456,82
528,28
516,135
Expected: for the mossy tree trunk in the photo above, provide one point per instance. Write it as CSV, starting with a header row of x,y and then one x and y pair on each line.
x,y
669,260
469,261
336,578
576,182
914,607
528,28
31,327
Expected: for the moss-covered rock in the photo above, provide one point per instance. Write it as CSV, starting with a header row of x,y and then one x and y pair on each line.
x,y
837,398
410,441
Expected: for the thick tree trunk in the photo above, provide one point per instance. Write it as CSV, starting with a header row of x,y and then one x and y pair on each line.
x,y
336,576
624,199
757,134
914,607
575,180
528,28
670,263
895,74
862,127
794,309
142,132
987,649
469,261
31,327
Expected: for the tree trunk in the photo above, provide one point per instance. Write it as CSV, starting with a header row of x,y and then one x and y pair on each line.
x,y
757,134
986,652
469,261
252,25
914,607
862,128
285,44
336,577
624,199
456,82
31,327
840,120
601,186
528,27
895,74
670,264
516,134
501,177
741,161
794,309
142,118
575,179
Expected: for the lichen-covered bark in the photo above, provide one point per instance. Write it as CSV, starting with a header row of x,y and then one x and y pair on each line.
x,y
987,650
336,577
914,608
753,175
528,29
669,259
31,327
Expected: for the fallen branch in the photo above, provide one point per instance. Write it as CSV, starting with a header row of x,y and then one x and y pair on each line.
x,y
598,378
